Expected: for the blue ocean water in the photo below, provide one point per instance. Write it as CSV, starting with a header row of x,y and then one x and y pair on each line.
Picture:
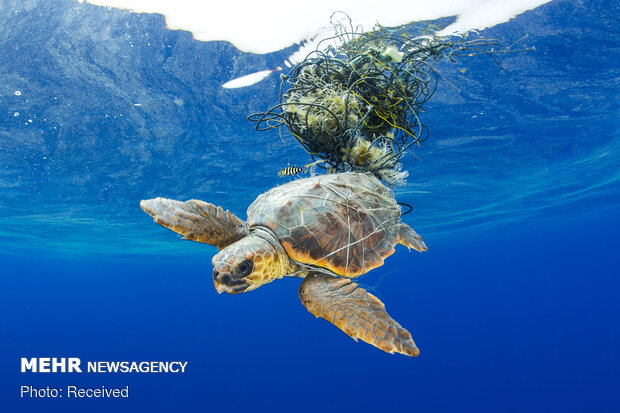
x,y
515,306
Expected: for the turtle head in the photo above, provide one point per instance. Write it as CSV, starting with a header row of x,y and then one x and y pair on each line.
x,y
249,263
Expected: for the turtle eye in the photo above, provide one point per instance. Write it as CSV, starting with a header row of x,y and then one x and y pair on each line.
x,y
245,268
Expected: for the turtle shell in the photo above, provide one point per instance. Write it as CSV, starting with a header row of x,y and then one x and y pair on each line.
x,y
348,222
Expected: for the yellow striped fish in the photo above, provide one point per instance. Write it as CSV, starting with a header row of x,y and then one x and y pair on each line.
x,y
290,170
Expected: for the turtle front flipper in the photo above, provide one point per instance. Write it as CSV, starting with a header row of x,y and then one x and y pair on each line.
x,y
197,220
356,312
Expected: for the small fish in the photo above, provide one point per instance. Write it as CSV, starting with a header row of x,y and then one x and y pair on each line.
x,y
290,170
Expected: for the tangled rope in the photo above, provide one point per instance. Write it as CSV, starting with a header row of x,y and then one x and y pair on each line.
x,y
355,101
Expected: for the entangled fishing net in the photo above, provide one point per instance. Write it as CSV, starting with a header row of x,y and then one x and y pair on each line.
x,y
354,103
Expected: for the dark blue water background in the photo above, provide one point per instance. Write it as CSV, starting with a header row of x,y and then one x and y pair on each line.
x,y
515,306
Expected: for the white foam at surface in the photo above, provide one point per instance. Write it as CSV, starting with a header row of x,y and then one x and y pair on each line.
x,y
269,26
248,80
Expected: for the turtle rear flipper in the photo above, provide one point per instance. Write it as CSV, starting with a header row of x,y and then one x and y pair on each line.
x,y
197,220
410,239
356,312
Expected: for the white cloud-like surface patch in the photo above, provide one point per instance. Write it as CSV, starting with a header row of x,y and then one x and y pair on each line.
x,y
269,26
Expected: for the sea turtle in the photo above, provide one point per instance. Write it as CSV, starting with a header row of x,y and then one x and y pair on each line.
x,y
325,229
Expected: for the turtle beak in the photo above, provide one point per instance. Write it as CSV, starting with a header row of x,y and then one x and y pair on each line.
x,y
223,282
218,287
